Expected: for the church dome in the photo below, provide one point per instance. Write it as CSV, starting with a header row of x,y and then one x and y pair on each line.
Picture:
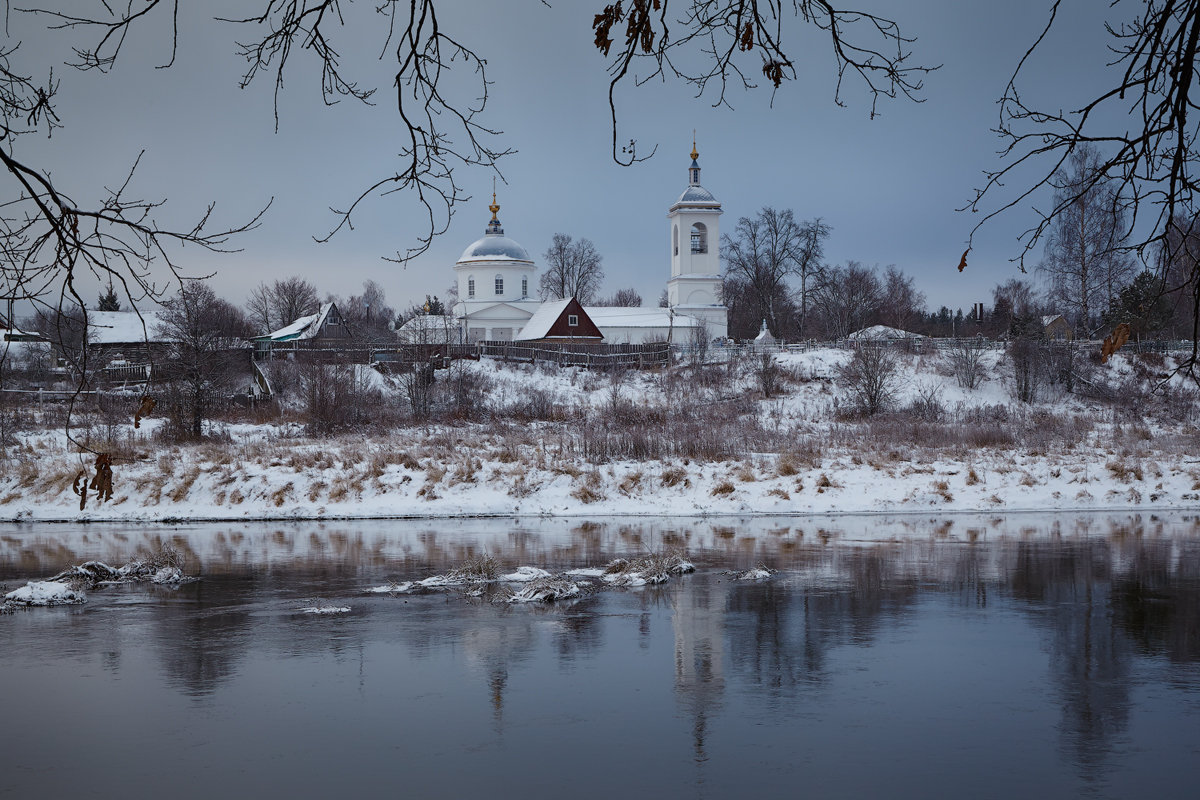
x,y
494,247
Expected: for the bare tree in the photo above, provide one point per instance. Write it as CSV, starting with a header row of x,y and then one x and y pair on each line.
x,y
760,256
281,303
810,265
206,339
369,314
1144,127
714,43
1014,310
628,298
572,270
1084,262
849,299
870,376
902,304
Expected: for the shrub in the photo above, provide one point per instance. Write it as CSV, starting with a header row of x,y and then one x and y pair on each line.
x,y
966,362
871,378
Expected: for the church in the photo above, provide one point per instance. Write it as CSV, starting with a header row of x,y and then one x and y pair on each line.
x,y
495,276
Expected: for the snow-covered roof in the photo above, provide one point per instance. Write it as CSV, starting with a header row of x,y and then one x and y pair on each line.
x,y
879,332
121,327
539,324
494,247
1046,320
428,329
303,328
696,194
636,317
11,334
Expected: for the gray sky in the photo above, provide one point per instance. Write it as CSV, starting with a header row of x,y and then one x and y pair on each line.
x,y
889,186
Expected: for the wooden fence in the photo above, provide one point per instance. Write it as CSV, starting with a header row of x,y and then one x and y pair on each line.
x,y
581,354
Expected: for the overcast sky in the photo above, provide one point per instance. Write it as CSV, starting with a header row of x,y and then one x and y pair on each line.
x,y
889,187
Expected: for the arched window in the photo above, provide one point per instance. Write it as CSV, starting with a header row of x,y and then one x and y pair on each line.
x,y
471,286
699,238
675,239
499,285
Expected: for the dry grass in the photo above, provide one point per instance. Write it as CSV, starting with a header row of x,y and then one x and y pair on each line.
x,y
589,490
282,494
722,489
631,483
1126,473
181,489
674,476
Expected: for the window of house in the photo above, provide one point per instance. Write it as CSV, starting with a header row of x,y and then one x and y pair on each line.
x,y
573,320
471,287
499,284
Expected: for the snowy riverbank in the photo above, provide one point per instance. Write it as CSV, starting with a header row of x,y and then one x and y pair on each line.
x,y
795,452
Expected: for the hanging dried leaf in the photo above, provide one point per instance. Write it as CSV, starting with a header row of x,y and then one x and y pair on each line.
x,y
747,42
102,480
1114,341
144,410
638,28
79,487
603,22
774,71
962,262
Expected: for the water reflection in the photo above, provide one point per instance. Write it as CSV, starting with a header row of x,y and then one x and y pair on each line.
x,y
1066,622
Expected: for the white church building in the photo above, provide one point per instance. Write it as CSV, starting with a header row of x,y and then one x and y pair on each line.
x,y
495,276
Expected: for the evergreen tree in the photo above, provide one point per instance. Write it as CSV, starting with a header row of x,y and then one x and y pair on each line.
x,y
1142,304
109,300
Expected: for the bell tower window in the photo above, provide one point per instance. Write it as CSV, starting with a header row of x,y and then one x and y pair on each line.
x,y
524,287
699,238
499,285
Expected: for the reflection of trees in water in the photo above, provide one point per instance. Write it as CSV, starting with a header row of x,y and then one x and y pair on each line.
x,y
1068,587
200,643
780,633
1156,600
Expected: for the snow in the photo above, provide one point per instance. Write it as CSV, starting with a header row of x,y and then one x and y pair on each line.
x,y
546,590
494,247
882,332
167,575
306,327
122,327
271,471
44,593
627,317
757,574
696,194
525,575
325,610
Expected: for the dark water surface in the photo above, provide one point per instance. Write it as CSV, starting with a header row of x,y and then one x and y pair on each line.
x,y
972,657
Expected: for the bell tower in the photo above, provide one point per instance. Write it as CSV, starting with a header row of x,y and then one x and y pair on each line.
x,y
695,286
